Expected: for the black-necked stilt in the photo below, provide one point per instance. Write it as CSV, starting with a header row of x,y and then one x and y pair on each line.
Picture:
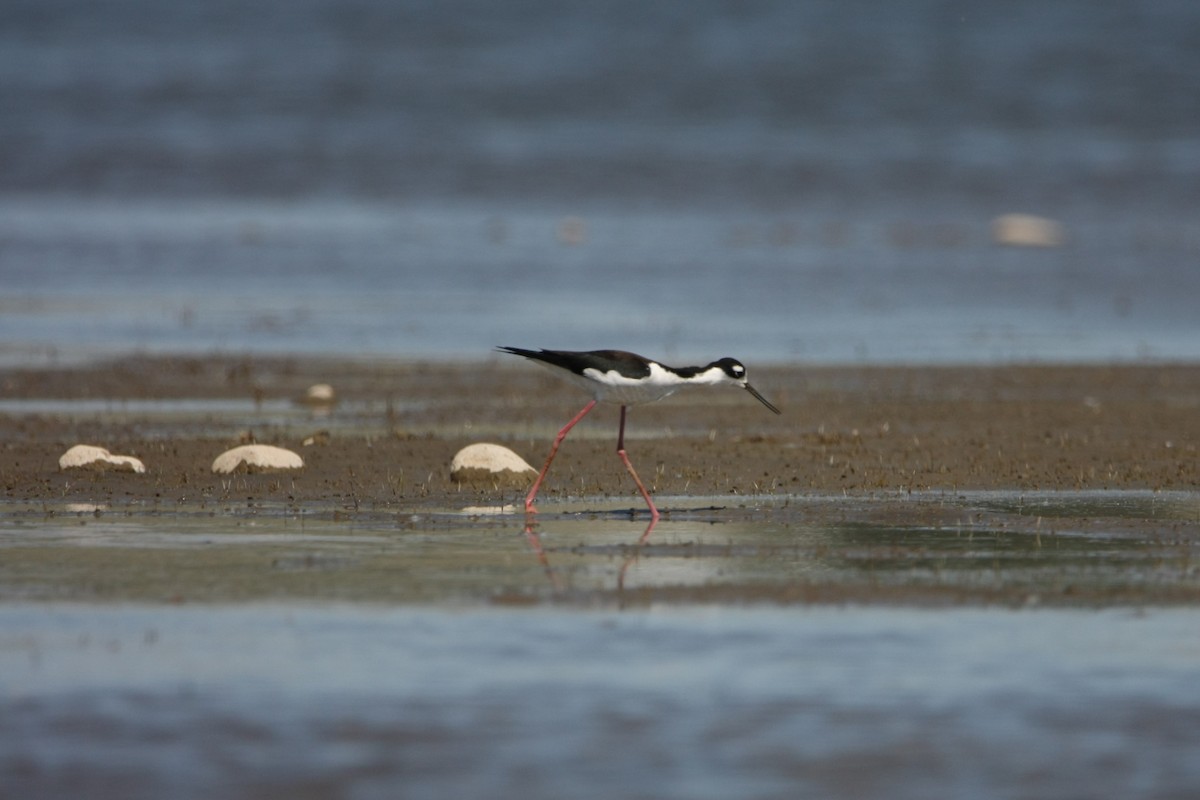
x,y
627,379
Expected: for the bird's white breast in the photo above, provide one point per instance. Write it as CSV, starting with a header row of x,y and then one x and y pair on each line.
x,y
613,387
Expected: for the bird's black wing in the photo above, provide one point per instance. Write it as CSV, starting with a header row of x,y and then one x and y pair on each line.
x,y
628,364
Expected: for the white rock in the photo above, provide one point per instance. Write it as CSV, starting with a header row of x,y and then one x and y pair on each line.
x,y
477,461
256,458
1026,230
86,455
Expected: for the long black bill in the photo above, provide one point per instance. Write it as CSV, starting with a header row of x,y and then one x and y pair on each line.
x,y
760,398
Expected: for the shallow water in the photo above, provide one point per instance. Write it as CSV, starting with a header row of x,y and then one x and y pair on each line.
x,y
895,646
1091,547
360,701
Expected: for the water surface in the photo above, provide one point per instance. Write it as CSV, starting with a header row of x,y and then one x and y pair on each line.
x,y
979,644
781,182
255,701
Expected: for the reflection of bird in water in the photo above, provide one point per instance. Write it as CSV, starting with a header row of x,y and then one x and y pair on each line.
x,y
536,543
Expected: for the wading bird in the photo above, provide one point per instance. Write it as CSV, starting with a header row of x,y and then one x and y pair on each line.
x,y
627,379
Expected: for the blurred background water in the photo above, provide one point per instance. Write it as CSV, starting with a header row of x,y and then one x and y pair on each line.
x,y
772,180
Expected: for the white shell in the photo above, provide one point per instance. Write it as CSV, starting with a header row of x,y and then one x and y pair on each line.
x,y
257,456
488,458
86,455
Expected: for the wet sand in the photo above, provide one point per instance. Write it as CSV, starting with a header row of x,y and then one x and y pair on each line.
x,y
389,440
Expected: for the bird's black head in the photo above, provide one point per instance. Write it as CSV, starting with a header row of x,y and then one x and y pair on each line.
x,y
731,367
736,373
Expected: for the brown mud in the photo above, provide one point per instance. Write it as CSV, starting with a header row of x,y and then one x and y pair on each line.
x,y
389,439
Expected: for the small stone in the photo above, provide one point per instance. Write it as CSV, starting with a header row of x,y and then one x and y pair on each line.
x,y
572,231
489,511
318,438
256,458
489,462
1027,230
320,394
86,455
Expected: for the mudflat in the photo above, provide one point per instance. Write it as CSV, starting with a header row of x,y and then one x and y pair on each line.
x,y
389,437
1065,485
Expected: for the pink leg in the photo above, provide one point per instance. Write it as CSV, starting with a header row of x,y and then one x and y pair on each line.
x,y
629,466
529,509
